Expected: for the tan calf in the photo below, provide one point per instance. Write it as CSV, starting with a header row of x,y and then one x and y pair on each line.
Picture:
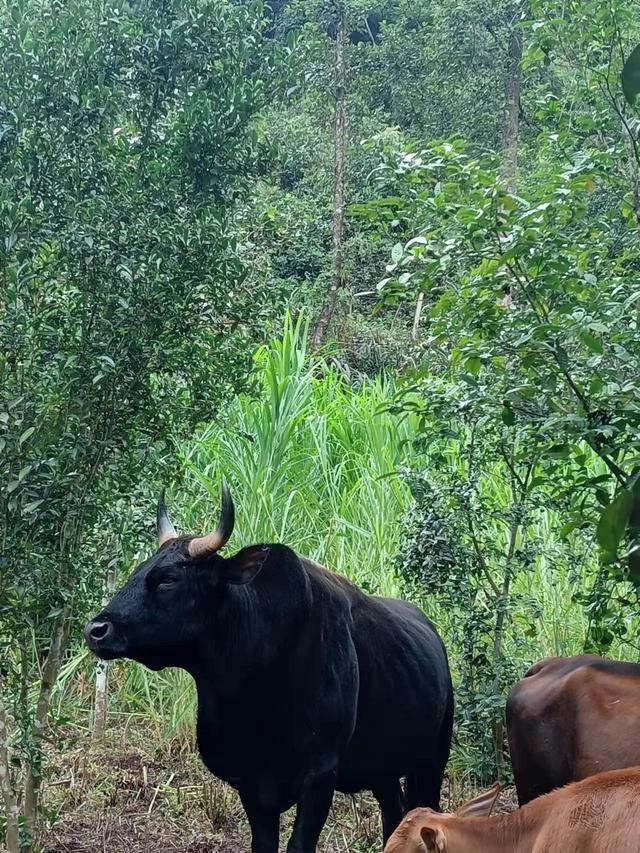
x,y
600,814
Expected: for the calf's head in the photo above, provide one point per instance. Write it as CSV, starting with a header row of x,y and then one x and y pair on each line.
x,y
425,830
162,612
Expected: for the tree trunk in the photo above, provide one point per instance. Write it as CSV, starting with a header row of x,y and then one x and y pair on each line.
x,y
34,771
6,787
415,332
102,673
502,603
340,143
511,126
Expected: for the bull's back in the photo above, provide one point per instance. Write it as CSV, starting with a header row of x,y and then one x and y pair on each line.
x,y
570,718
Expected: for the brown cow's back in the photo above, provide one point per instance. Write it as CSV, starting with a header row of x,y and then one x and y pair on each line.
x,y
570,718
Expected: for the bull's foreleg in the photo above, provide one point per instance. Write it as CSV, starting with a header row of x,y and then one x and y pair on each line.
x,y
314,802
264,823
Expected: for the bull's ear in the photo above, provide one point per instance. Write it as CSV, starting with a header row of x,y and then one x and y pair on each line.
x,y
245,565
481,805
434,839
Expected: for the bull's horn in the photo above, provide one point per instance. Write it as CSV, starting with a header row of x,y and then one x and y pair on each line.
x,y
164,527
203,546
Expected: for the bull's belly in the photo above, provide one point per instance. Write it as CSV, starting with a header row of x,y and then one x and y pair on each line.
x,y
382,747
371,760
357,773
277,781
279,792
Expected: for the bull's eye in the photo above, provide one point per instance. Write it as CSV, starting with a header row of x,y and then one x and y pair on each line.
x,y
156,582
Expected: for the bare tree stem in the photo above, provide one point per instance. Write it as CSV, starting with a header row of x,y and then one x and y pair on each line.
x,y
415,332
326,313
6,787
102,673
511,127
49,675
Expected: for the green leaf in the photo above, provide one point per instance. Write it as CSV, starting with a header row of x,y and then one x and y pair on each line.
x,y
569,527
25,435
591,342
23,472
613,523
538,481
561,355
559,451
397,253
488,266
473,364
630,76
508,416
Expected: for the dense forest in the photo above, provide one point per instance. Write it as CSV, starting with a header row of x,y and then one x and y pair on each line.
x,y
377,262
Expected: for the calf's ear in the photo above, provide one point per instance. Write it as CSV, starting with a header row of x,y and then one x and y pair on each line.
x,y
481,805
245,565
433,839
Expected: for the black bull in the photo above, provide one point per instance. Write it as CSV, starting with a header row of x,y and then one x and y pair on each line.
x,y
305,684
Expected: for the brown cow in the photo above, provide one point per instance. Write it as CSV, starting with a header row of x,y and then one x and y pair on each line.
x,y
597,815
570,718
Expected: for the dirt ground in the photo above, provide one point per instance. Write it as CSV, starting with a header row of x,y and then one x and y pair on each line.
x,y
109,800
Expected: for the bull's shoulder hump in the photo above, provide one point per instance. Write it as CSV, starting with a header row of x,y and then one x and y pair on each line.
x,y
369,606
331,581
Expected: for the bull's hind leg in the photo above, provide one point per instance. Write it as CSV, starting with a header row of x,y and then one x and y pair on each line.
x,y
423,786
425,780
391,802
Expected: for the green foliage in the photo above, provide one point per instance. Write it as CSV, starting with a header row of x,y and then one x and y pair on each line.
x,y
613,522
530,304
542,293
127,134
484,533
442,46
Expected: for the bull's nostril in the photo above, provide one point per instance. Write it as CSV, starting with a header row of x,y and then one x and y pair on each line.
x,y
99,630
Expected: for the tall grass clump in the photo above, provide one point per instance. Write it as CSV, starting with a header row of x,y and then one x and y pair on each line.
x,y
311,461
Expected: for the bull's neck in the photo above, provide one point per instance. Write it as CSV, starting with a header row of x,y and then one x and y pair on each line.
x,y
229,645
249,631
